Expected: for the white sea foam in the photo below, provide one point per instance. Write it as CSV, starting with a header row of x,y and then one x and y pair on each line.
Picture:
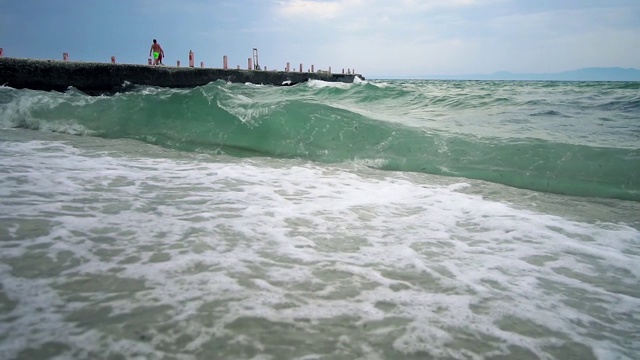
x,y
28,111
319,84
112,253
358,80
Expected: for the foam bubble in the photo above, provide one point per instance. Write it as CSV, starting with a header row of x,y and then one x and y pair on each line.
x,y
358,80
320,84
163,253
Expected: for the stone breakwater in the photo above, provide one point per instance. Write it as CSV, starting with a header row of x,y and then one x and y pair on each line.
x,y
104,78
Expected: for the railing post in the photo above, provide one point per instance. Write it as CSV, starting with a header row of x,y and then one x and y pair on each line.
x,y
300,67
201,64
249,64
312,70
225,62
191,59
178,63
329,70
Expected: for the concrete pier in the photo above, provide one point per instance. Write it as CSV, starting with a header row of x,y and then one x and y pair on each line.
x,y
105,78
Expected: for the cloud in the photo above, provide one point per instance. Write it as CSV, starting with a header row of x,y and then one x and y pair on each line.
x,y
312,9
318,10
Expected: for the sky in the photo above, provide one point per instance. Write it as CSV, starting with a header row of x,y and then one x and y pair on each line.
x,y
376,38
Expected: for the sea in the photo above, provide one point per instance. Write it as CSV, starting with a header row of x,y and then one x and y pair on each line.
x,y
384,219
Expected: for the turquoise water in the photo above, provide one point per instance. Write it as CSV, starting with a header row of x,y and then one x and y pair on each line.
x,y
566,138
376,220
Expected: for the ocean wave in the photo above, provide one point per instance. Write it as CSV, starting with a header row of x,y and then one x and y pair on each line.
x,y
415,126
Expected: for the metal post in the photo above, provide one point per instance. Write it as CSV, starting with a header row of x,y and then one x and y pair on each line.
x,y
225,62
255,59
287,68
192,59
312,70
249,64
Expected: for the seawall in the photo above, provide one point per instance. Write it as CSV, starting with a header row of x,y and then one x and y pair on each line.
x,y
103,78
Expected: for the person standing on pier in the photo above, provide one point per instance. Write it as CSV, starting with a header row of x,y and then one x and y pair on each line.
x,y
157,52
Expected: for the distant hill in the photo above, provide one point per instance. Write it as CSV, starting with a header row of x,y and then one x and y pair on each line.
x,y
586,74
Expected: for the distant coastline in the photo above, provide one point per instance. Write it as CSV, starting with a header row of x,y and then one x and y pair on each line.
x,y
584,74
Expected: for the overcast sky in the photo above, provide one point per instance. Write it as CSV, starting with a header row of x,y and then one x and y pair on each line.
x,y
374,37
